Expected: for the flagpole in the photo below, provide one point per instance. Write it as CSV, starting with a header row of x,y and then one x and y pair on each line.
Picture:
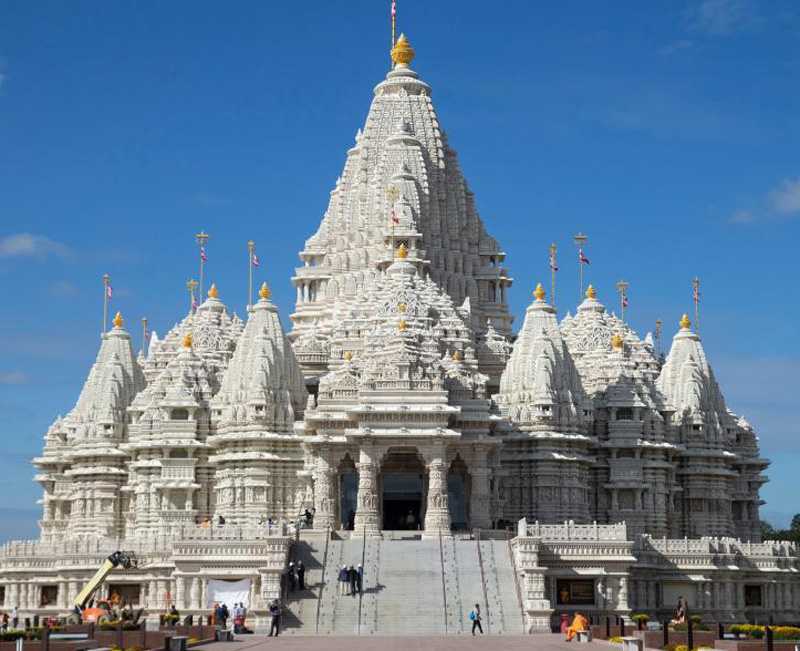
x,y
106,283
251,246
622,288
190,285
696,299
201,239
659,324
580,241
392,193
553,268
144,336
394,24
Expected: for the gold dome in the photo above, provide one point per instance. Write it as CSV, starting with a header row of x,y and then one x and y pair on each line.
x,y
118,320
457,356
213,292
402,326
539,292
684,323
616,342
187,340
402,252
402,52
265,291
591,292
401,307
347,356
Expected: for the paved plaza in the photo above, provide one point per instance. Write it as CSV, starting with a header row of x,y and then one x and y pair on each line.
x,y
543,642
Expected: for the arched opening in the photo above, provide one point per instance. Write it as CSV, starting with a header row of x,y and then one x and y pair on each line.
x,y
403,490
457,498
348,492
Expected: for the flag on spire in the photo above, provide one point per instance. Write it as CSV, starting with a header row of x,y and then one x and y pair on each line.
x,y
256,263
582,259
109,290
394,8
696,292
553,262
203,255
624,300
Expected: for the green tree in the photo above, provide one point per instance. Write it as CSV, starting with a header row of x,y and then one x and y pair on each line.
x,y
795,526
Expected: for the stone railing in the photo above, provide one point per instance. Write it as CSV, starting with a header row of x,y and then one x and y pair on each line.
x,y
571,531
729,546
178,468
625,470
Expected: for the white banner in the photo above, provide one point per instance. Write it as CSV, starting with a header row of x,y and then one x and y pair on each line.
x,y
228,593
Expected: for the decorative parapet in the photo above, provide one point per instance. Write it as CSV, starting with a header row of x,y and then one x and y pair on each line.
x,y
569,531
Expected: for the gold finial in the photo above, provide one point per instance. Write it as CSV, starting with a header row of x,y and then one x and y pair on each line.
x,y
402,52
402,326
187,340
347,356
591,292
213,292
539,292
457,356
402,252
616,342
401,307
265,291
685,324
118,320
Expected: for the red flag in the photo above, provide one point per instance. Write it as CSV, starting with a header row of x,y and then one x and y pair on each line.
x,y
582,258
194,302
255,260
553,263
395,220
624,300
696,294
109,291
394,8
203,255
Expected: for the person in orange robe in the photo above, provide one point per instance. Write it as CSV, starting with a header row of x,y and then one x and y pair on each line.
x,y
579,623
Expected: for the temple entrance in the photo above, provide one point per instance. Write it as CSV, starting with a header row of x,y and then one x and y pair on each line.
x,y
403,489
457,495
348,492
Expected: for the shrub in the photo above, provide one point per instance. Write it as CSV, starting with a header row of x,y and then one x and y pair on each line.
x,y
640,617
615,639
12,635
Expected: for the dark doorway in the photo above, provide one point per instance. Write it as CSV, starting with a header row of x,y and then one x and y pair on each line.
x,y
402,501
348,493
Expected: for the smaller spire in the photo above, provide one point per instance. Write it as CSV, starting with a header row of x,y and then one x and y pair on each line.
x,y
402,326
265,291
402,252
187,340
457,356
401,307
617,342
118,320
347,356
213,292
402,52
685,323
591,292
539,292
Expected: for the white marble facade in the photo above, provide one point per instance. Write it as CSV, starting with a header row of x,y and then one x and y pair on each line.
x,y
400,366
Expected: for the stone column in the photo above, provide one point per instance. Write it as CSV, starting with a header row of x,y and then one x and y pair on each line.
x,y
366,520
195,594
180,593
622,595
480,497
437,514
203,592
325,514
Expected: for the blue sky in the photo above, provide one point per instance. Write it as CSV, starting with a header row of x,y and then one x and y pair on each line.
x,y
667,131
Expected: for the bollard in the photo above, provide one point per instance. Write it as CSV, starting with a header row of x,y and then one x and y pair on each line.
x,y
689,633
167,640
640,624
721,631
608,627
45,646
665,628
119,636
768,637
27,623
36,621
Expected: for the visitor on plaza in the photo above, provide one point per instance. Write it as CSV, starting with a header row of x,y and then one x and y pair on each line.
x,y
4,623
275,616
360,579
475,616
680,612
579,624
301,575
292,577
343,582
15,617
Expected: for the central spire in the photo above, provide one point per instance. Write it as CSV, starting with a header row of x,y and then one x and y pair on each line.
x,y
402,52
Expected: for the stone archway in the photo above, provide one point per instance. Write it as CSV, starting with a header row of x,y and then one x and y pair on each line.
x,y
348,492
458,494
403,489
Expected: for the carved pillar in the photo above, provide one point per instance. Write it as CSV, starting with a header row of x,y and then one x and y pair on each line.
x,y
195,595
367,521
480,496
325,514
180,593
203,592
622,595
437,514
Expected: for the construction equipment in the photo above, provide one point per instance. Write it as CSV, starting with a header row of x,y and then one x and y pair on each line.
x,y
103,610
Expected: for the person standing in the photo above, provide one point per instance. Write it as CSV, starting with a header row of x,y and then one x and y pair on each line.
x,y
292,578
360,579
343,580
475,616
14,617
352,578
225,614
275,616
301,575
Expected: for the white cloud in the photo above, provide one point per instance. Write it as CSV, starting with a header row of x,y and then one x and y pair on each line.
x,y
27,245
785,199
13,377
742,217
722,17
64,289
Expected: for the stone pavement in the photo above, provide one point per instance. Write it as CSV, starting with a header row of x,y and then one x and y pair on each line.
x,y
540,642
